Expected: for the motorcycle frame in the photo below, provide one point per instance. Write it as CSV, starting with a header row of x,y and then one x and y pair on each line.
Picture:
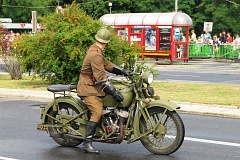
x,y
142,107
138,108
64,98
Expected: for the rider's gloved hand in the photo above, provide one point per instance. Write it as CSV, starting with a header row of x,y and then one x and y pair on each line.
x,y
126,72
109,89
120,71
117,96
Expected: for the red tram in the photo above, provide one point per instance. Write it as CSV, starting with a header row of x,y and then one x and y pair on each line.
x,y
163,35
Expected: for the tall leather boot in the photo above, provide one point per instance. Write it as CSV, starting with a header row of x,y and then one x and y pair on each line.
x,y
87,143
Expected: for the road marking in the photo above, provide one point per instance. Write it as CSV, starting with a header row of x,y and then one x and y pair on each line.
x,y
212,142
181,75
6,158
173,80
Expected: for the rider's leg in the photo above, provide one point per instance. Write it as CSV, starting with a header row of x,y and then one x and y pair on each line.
x,y
95,106
87,144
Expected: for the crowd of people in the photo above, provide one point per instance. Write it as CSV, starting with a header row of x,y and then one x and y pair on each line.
x,y
222,38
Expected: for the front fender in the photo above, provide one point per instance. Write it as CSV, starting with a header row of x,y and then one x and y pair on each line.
x,y
164,104
77,103
157,103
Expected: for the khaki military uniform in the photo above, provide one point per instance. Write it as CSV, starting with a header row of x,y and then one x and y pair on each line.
x,y
93,69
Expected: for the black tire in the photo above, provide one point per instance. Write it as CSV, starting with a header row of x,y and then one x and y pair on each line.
x,y
167,142
66,109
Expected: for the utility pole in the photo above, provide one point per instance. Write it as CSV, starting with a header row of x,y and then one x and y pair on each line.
x,y
176,5
34,21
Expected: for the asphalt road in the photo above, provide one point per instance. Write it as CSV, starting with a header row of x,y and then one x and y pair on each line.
x,y
198,77
201,71
208,138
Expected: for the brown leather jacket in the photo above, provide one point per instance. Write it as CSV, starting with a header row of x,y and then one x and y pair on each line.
x,y
93,69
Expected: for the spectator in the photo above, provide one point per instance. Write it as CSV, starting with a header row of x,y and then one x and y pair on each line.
x,y
229,39
223,37
216,44
178,51
200,39
182,37
193,38
237,39
210,41
206,36
220,35
216,40
206,41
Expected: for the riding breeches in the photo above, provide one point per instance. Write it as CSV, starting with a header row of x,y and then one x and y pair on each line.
x,y
95,105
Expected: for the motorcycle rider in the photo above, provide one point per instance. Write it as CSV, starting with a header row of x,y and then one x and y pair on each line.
x,y
93,69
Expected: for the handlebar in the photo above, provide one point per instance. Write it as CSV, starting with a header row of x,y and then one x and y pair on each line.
x,y
110,77
99,82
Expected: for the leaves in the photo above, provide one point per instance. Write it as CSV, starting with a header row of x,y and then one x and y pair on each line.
x,y
222,13
21,11
56,54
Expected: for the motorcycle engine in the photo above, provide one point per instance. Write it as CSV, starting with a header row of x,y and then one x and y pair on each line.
x,y
112,118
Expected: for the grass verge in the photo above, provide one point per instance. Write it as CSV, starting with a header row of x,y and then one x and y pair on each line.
x,y
177,91
199,93
27,83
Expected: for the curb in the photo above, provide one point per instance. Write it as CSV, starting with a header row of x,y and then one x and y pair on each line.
x,y
186,107
209,110
26,94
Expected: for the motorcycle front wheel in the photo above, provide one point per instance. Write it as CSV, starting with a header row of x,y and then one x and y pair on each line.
x,y
68,111
168,135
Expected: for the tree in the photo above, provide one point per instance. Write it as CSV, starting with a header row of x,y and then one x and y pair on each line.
x,y
20,11
57,53
220,12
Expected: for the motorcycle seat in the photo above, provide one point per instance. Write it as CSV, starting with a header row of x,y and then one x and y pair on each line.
x,y
61,87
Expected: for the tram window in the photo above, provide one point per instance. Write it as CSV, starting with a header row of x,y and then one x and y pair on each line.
x,y
136,30
123,33
150,39
164,39
181,51
180,34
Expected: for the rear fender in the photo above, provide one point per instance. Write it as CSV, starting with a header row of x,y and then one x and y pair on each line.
x,y
157,103
76,102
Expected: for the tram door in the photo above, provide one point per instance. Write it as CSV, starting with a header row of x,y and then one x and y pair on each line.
x,y
180,43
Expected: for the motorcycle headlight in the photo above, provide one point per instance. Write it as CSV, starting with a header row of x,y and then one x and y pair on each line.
x,y
147,77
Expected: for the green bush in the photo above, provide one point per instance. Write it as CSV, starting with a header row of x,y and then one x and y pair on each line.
x,y
57,52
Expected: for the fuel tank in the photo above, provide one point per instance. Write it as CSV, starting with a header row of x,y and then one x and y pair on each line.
x,y
109,101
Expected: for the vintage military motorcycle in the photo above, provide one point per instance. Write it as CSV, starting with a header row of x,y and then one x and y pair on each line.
x,y
141,116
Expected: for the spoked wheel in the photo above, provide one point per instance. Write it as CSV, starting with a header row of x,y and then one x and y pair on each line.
x,y
66,112
167,137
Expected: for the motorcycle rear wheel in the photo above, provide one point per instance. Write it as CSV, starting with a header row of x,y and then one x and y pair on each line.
x,y
65,109
171,134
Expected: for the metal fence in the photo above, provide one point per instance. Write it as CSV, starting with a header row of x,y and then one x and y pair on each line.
x,y
223,51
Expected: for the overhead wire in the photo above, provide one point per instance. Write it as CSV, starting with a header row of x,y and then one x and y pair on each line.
x,y
11,6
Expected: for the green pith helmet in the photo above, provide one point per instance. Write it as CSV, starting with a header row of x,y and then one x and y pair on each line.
x,y
103,36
